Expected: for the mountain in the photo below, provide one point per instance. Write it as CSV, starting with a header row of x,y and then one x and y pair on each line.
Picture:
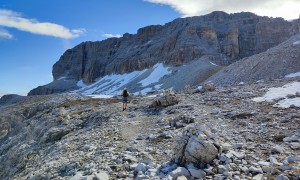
x,y
223,37
274,63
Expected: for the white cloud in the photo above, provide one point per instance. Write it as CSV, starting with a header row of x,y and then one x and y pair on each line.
x,y
12,19
4,34
112,35
288,9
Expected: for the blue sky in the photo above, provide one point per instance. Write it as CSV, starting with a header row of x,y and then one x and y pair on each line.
x,y
35,33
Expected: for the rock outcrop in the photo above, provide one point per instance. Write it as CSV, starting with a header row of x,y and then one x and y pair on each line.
x,y
226,37
275,63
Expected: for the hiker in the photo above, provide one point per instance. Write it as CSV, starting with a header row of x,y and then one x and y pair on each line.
x,y
125,95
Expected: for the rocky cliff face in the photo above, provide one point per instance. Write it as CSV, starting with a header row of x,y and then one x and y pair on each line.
x,y
275,63
227,37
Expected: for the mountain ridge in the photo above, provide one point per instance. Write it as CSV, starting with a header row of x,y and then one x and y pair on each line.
x,y
224,37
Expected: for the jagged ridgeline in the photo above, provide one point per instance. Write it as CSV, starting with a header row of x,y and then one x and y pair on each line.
x,y
218,37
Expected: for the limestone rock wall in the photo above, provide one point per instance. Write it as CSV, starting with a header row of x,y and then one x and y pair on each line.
x,y
227,37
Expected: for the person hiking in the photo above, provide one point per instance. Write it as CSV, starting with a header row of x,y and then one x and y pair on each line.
x,y
125,95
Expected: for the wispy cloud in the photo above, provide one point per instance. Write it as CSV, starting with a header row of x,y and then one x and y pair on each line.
x,y
288,9
5,34
112,35
13,19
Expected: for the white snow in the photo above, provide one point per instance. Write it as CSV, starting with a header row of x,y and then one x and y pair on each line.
x,y
296,43
158,87
62,78
112,84
109,84
158,72
213,63
293,75
282,92
103,96
286,103
81,84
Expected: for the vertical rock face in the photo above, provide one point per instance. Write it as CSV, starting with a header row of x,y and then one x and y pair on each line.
x,y
227,37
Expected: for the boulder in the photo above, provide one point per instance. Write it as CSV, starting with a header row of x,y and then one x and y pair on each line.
x,y
168,99
54,134
195,147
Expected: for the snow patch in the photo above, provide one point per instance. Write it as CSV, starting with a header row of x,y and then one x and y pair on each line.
x,y
293,75
110,84
274,94
158,72
62,78
296,43
213,63
286,103
102,96
81,84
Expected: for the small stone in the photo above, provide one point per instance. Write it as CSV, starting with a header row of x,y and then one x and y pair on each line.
x,y
238,155
180,171
258,177
133,166
236,178
238,146
244,169
228,174
215,111
281,177
221,169
264,163
267,169
101,176
292,159
293,138
286,167
279,136
255,170
197,173
244,162
78,176
141,167
181,178
277,149
223,158
226,147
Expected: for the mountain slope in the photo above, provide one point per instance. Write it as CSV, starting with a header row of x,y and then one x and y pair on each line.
x,y
275,63
68,136
153,79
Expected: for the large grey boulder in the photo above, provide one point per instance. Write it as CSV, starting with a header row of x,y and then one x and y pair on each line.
x,y
195,147
167,99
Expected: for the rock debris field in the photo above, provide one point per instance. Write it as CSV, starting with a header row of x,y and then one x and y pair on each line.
x,y
209,133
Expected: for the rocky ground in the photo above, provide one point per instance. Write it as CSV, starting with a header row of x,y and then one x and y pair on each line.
x,y
210,134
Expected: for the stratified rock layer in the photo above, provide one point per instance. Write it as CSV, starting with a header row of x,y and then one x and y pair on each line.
x,y
224,36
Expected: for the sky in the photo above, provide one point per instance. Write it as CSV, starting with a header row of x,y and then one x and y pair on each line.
x,y
34,33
